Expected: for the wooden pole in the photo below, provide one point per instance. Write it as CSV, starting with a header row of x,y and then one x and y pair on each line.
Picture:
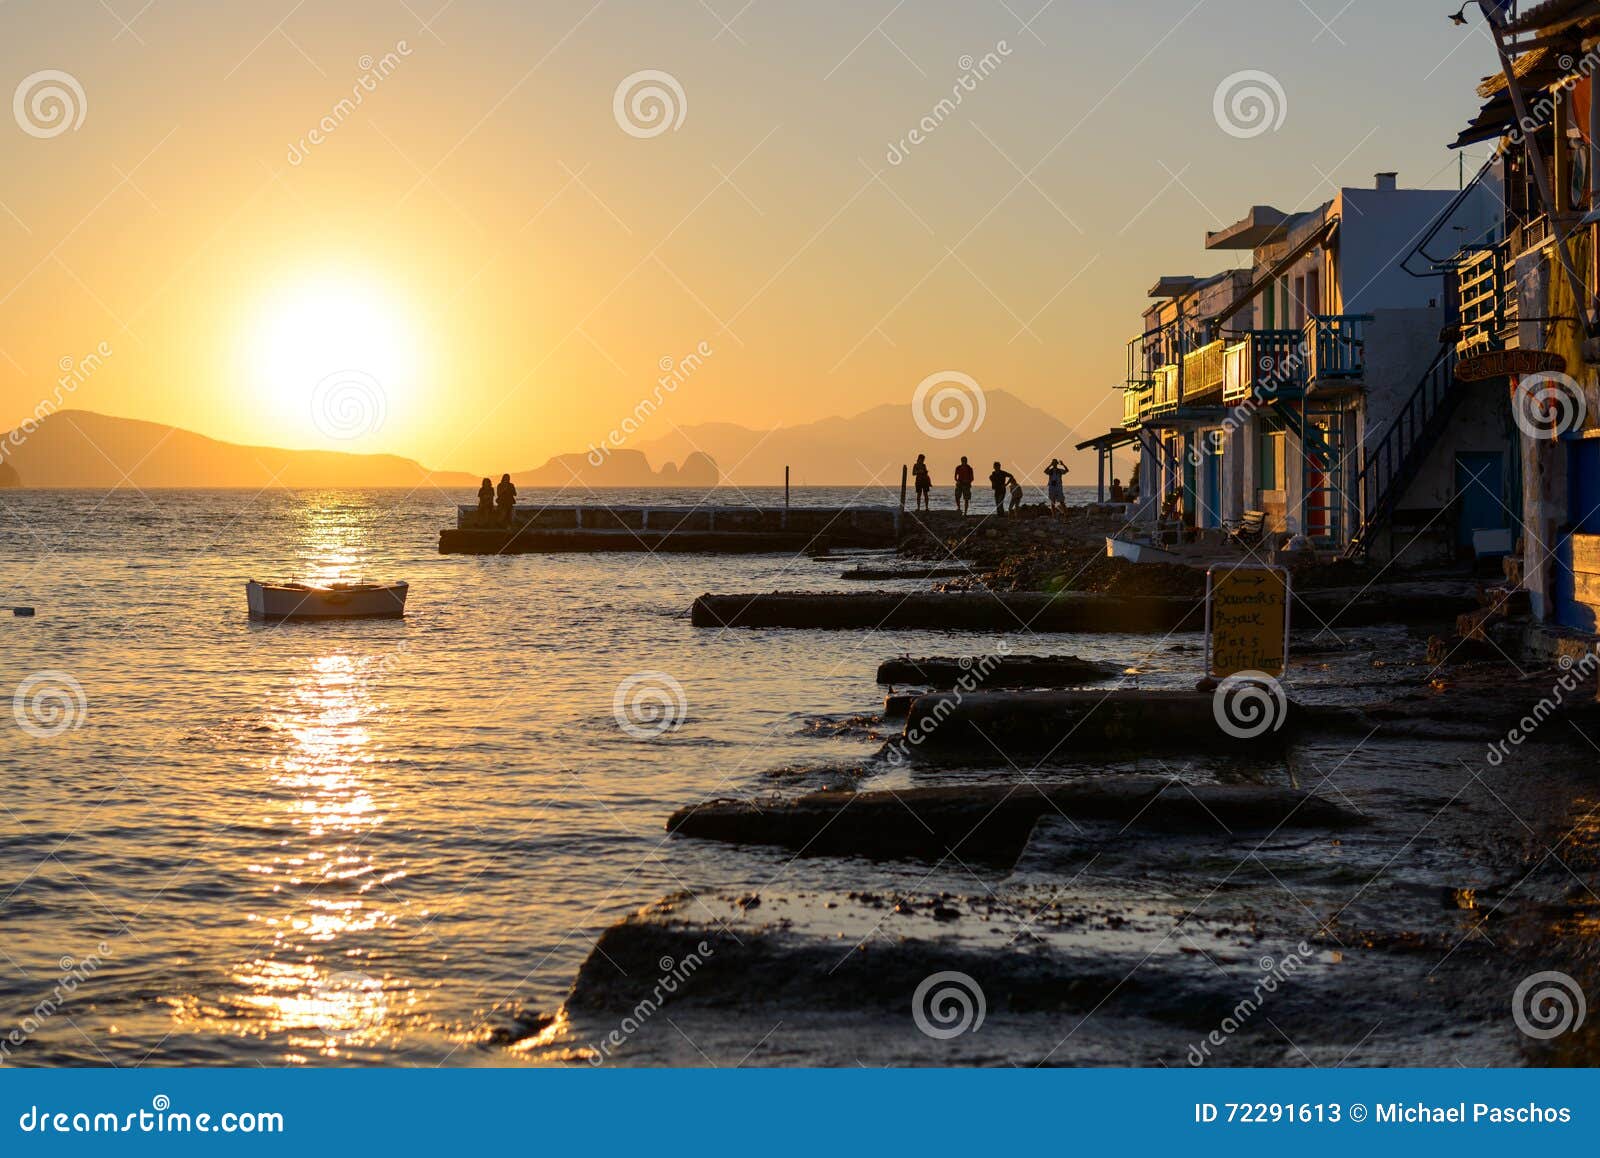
x,y
785,488
904,470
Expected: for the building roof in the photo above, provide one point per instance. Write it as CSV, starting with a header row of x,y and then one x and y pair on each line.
x,y
1110,441
1179,285
1173,285
1258,227
1535,70
1550,14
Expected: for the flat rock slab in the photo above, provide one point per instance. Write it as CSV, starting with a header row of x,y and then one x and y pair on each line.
x,y
953,611
1418,602
1037,724
872,573
991,823
996,671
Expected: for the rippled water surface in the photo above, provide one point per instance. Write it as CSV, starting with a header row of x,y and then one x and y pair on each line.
x,y
368,841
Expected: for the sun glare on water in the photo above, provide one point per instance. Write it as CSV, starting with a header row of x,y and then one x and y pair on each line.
x,y
334,356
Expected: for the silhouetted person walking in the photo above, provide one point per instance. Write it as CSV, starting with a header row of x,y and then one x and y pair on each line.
x,y
506,497
964,477
924,481
1000,479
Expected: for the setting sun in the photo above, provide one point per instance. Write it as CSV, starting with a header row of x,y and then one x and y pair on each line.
x,y
335,354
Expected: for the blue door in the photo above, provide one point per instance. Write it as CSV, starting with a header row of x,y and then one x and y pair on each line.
x,y
1480,485
1211,511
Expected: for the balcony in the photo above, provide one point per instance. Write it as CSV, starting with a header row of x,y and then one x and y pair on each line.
x,y
1165,399
1202,375
1263,365
1135,405
1336,349
1486,291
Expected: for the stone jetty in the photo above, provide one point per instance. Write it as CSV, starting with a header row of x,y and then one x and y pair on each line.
x,y
704,529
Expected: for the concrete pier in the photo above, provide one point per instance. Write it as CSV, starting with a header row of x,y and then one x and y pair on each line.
x,y
714,530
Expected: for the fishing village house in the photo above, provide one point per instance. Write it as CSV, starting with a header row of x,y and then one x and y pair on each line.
x,y
1312,386
1529,296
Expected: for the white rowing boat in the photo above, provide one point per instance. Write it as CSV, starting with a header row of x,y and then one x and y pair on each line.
x,y
326,601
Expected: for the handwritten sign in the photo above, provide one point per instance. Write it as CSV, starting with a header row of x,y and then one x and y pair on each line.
x,y
1503,363
1247,620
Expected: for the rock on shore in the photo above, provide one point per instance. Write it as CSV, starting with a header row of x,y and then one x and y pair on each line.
x,y
991,823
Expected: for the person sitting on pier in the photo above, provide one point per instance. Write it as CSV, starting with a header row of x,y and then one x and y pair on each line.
x,y
1118,493
964,477
486,502
1054,473
1000,479
506,498
924,481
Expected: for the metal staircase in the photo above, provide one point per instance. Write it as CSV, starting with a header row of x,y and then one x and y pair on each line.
x,y
1393,464
1322,494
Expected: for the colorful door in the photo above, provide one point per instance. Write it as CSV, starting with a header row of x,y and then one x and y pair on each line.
x,y
1480,489
1211,500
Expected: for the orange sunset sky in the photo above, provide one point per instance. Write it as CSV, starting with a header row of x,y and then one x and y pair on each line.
x,y
483,237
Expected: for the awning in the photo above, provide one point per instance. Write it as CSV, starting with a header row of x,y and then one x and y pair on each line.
x,y
1536,71
1545,16
1109,441
1319,236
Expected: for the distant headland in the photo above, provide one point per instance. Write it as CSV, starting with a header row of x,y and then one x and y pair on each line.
x,y
80,448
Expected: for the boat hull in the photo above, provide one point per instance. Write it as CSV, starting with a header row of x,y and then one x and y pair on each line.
x,y
284,601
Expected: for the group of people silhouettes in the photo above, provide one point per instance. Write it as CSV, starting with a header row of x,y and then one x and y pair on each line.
x,y
497,502
1005,484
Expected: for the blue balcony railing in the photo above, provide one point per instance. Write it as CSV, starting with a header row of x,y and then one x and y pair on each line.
x,y
1262,365
1336,347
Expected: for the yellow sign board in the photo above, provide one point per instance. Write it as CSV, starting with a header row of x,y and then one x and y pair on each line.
x,y
1247,620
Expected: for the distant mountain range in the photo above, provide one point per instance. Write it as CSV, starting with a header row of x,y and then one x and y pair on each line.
x,y
874,444
79,448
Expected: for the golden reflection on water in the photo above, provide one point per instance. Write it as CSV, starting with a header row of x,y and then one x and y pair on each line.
x,y
309,985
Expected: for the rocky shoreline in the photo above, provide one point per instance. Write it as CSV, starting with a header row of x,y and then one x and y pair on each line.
x,y
1102,876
